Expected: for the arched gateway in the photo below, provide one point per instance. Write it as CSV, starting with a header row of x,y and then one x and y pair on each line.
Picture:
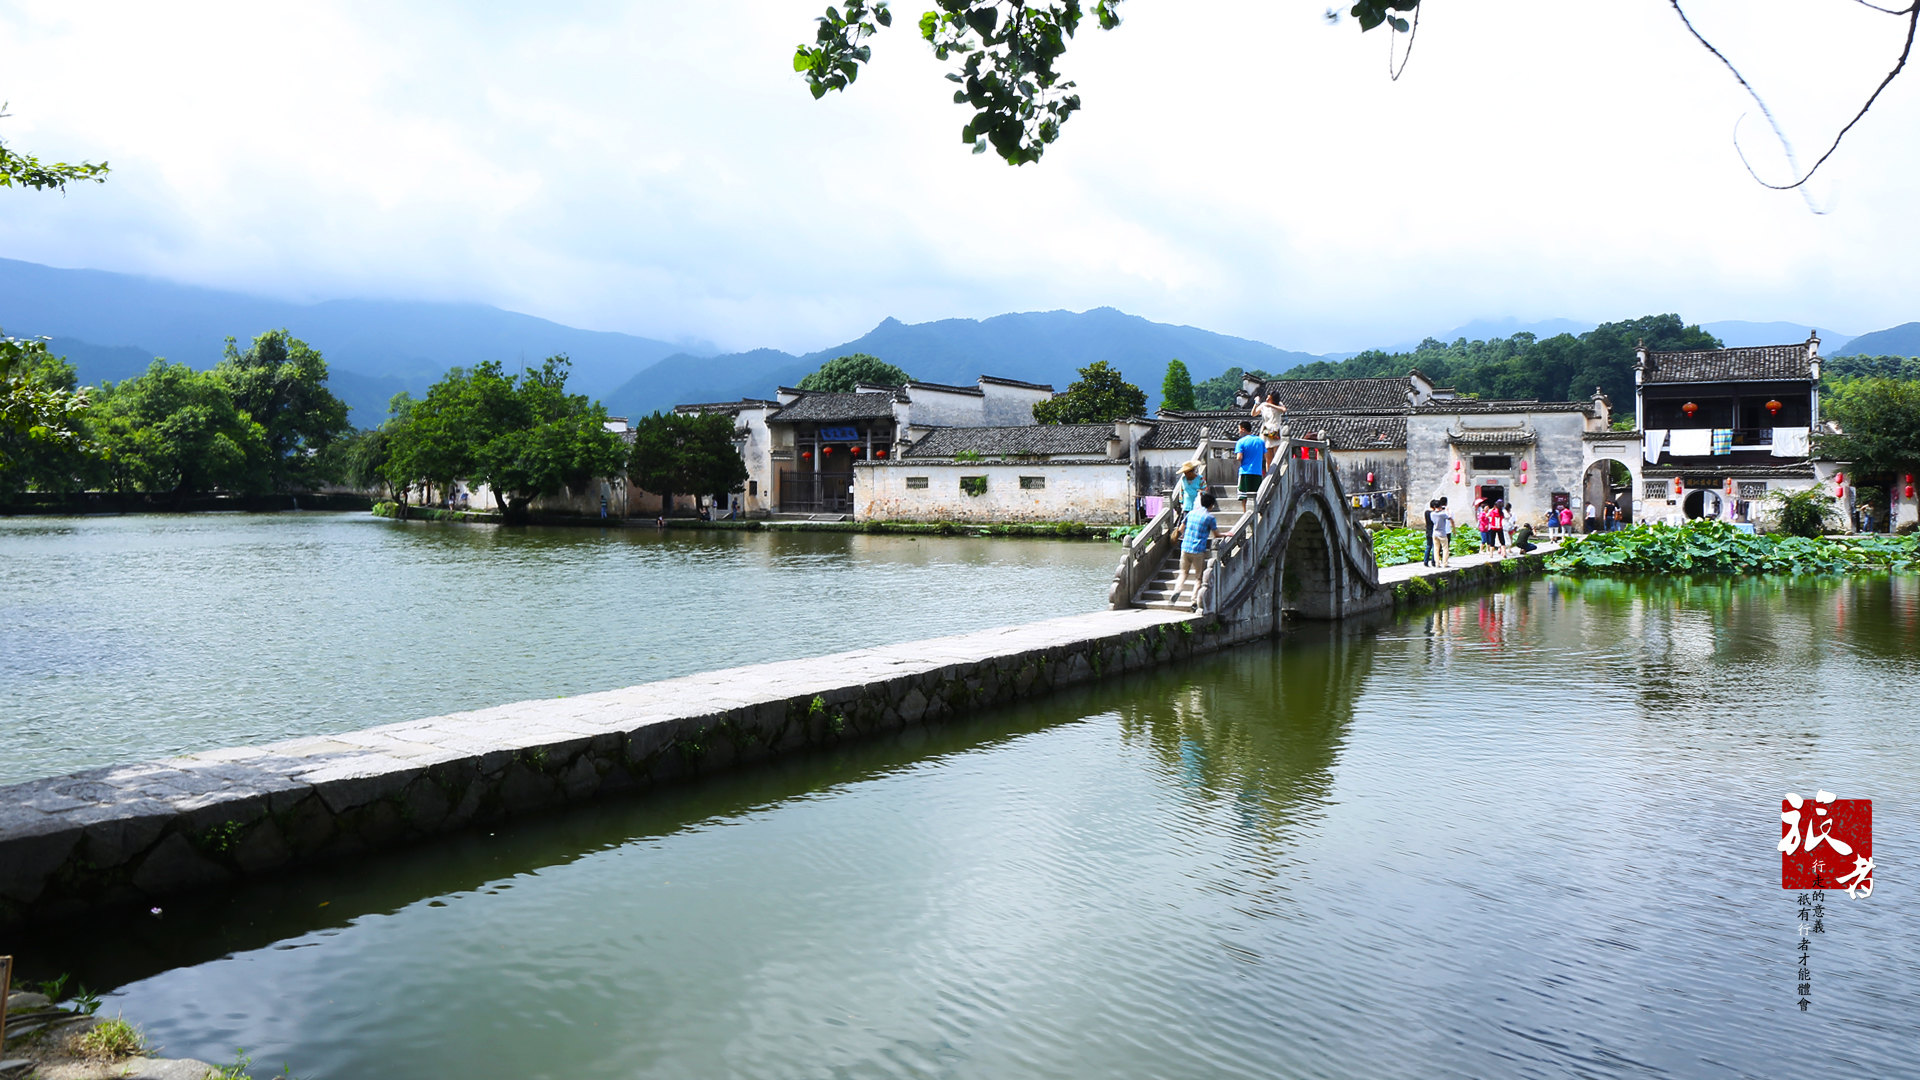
x,y
1295,550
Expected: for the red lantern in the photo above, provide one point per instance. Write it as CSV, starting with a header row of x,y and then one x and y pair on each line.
x,y
826,450
1909,485
1729,485
1773,407
806,455
1689,408
1678,487
1369,479
879,453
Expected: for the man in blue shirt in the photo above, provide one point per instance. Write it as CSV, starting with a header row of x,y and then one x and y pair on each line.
x,y
1252,450
1194,541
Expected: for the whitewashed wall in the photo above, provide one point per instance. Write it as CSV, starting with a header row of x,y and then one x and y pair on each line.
x,y
1096,493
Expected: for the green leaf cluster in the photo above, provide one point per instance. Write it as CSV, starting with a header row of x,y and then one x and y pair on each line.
x,y
1101,394
42,410
1395,547
26,171
1008,75
1716,547
1559,368
261,420
686,454
1176,389
843,373
1880,418
1218,392
522,435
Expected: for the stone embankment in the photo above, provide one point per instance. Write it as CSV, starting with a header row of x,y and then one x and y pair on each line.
x,y
128,834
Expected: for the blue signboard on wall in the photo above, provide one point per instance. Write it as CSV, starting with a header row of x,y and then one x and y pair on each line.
x,y
839,434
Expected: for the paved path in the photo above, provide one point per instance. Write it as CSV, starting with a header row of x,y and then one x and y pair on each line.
x,y
1393,575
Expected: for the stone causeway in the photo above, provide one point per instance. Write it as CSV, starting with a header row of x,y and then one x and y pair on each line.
x,y
126,835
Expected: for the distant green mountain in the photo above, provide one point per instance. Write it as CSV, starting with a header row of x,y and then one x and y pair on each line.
x,y
1902,340
374,347
1038,346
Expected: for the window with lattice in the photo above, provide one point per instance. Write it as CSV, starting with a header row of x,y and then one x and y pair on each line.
x,y
1032,483
973,485
916,483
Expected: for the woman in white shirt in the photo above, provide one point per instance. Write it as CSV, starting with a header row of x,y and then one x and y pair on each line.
x,y
1272,422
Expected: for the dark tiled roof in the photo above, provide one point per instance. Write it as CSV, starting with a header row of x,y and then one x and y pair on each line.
x,y
721,406
1476,405
1345,430
826,408
1352,431
1730,365
1610,436
1082,440
1320,395
1510,437
1184,430
973,391
1048,387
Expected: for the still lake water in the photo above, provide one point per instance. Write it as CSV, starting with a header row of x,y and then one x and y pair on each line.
x,y
126,638
1529,833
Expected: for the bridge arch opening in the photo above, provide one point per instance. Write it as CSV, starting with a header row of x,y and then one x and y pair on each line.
x,y
1310,572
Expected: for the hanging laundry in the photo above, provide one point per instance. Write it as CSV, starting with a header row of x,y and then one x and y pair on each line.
x,y
1722,441
1792,442
1656,442
1691,442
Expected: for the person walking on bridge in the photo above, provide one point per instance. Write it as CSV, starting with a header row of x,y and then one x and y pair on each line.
x,y
1252,450
1442,535
1273,428
1433,506
1187,489
1195,540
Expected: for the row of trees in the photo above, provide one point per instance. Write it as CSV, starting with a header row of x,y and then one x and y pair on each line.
x,y
260,421
525,437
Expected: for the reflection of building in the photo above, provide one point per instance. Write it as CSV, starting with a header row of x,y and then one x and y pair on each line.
x,y
1723,428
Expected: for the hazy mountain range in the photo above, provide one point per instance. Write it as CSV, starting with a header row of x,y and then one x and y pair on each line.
x,y
111,326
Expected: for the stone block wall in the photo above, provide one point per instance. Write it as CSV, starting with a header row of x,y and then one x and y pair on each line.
x,y
1096,493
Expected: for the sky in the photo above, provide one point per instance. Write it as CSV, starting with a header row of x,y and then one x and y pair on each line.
x,y
1239,165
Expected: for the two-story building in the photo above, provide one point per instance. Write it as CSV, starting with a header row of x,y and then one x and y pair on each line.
x,y
1722,429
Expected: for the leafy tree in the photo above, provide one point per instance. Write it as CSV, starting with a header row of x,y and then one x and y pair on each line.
x,y
25,170
281,382
842,373
1880,421
1008,76
523,436
176,430
41,406
1099,395
1833,369
686,454
1217,392
1559,368
1176,390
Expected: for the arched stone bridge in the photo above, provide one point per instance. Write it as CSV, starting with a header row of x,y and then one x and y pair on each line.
x,y
1296,550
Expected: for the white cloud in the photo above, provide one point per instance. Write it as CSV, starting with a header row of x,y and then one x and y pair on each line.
x,y
658,168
